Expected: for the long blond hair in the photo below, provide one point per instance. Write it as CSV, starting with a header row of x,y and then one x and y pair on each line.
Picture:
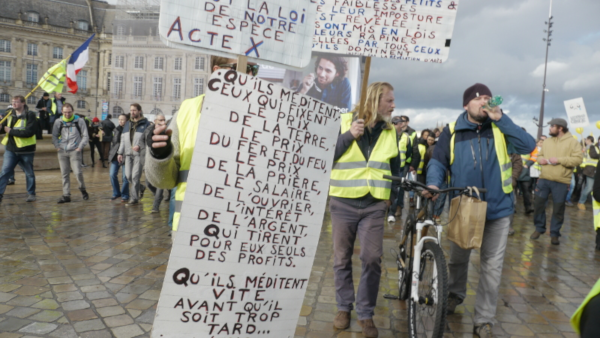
x,y
374,93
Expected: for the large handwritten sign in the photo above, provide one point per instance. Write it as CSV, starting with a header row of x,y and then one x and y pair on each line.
x,y
278,31
252,212
576,112
418,30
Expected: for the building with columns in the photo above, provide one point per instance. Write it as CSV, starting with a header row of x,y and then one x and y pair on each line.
x,y
37,34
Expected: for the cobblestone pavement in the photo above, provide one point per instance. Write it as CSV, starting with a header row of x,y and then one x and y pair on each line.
x,y
95,269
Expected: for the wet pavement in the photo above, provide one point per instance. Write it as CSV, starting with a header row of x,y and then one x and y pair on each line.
x,y
95,269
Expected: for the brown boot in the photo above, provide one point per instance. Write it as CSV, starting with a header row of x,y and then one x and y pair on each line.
x,y
342,320
535,235
368,328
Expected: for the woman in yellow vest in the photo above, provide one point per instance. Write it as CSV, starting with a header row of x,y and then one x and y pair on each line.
x,y
19,141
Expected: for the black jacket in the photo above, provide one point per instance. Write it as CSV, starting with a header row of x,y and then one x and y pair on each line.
x,y
107,127
30,130
41,104
590,171
116,141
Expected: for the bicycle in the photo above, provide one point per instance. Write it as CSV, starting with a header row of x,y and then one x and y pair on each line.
x,y
427,287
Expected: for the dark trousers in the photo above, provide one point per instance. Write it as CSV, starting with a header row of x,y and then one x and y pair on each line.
x,y
559,194
525,188
95,143
348,223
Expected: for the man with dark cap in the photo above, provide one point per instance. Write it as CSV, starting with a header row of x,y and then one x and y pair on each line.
x,y
474,149
559,155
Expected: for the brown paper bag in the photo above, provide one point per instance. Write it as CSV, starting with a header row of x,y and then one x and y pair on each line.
x,y
467,221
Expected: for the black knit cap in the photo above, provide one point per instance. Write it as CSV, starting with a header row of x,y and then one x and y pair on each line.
x,y
474,91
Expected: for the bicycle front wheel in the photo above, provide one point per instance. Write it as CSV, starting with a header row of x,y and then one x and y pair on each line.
x,y
427,316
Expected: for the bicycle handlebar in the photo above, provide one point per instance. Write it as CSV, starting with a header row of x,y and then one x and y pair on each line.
x,y
421,185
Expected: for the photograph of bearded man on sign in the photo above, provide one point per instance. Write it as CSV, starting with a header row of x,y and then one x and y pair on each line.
x,y
329,82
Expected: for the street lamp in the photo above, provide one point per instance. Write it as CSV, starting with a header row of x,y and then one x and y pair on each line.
x,y
548,32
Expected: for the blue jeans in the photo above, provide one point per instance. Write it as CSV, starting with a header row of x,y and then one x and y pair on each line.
x,y
11,160
114,180
589,184
172,207
542,191
571,188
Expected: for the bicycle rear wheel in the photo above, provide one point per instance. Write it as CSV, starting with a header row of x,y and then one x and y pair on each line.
x,y
427,317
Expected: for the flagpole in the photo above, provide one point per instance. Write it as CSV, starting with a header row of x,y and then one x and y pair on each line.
x,y
33,90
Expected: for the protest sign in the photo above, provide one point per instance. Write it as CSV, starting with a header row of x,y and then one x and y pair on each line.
x,y
274,31
252,213
576,112
418,30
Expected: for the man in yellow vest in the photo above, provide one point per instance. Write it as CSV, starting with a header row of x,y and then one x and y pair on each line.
x,y
171,149
366,149
591,153
475,151
19,141
405,148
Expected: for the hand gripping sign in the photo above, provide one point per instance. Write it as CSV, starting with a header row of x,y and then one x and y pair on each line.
x,y
252,213
418,30
278,32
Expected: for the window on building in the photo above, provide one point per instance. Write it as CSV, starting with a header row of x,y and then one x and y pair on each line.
x,y
139,62
109,59
32,73
32,49
32,100
108,82
82,80
158,62
199,63
33,17
82,25
198,86
5,46
117,111
118,84
119,61
176,88
80,104
4,98
57,53
138,82
120,30
5,71
157,85
178,63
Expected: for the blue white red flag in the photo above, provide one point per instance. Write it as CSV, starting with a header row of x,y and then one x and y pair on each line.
x,y
76,62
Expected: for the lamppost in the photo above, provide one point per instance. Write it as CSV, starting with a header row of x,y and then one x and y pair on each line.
x,y
544,90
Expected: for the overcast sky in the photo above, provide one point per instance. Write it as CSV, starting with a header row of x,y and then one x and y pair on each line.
x,y
499,43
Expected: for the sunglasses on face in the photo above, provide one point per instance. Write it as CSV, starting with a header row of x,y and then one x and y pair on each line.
x,y
249,68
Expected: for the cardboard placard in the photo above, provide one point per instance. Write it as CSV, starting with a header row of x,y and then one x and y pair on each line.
x,y
576,113
252,213
273,31
418,30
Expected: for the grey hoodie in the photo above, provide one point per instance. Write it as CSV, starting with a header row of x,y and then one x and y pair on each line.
x,y
70,139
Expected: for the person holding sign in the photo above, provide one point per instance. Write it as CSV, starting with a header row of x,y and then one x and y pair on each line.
x,y
366,149
474,149
330,84
171,150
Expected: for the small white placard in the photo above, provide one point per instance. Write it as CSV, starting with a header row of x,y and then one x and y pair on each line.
x,y
576,112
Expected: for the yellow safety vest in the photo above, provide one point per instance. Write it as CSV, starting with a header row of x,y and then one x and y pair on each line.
x,y
576,318
403,147
525,158
422,150
353,177
596,207
412,141
20,141
187,121
590,161
501,153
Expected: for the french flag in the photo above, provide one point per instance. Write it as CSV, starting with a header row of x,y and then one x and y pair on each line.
x,y
76,62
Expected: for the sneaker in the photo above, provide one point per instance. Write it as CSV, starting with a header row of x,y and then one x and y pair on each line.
x,y
580,206
569,204
85,195
391,219
342,320
483,331
453,302
64,199
368,328
132,202
535,235
554,240
154,211
114,198
30,198
11,182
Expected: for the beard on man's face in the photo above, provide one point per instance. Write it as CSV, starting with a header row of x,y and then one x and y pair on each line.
x,y
480,118
554,134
